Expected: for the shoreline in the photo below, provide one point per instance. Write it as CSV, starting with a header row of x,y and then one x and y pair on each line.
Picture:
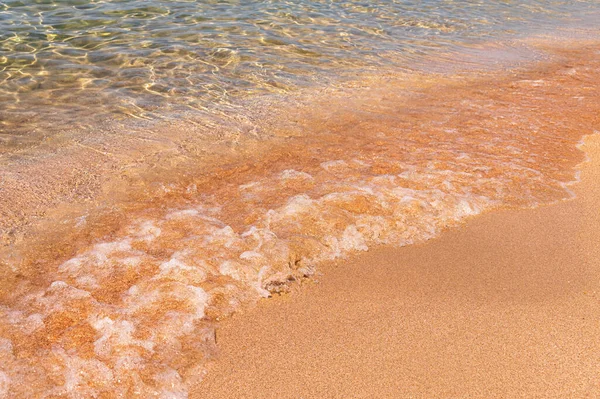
x,y
505,306
68,174
126,297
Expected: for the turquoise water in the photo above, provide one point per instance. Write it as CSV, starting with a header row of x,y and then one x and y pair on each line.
x,y
71,63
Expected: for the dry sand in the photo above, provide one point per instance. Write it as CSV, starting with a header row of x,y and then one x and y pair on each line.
x,y
507,306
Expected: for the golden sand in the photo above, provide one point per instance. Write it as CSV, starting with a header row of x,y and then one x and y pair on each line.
x,y
506,307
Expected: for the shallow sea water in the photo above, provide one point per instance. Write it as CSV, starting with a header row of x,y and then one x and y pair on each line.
x,y
167,163
78,62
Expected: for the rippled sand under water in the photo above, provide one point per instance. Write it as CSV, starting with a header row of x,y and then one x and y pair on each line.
x,y
117,294
75,62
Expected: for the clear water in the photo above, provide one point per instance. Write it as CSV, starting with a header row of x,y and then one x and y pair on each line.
x,y
73,63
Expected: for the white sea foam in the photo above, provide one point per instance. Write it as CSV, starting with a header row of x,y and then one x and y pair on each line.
x,y
331,166
4,385
291,174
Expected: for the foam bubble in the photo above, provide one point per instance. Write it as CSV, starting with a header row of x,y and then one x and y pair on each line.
x,y
464,208
116,334
4,385
291,174
186,213
147,231
331,166
174,388
82,377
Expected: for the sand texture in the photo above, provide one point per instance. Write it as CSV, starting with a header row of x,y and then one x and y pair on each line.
x,y
507,306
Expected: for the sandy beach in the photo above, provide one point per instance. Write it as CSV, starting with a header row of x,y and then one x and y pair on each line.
x,y
299,199
506,306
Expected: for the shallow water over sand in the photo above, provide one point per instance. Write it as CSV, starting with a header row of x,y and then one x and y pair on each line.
x,y
117,295
74,64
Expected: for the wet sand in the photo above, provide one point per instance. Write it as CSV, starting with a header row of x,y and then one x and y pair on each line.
x,y
507,306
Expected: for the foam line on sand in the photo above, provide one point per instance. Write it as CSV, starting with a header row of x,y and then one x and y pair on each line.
x,y
506,306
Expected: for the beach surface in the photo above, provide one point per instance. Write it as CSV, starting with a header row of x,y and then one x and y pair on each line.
x,y
506,306
120,294
167,165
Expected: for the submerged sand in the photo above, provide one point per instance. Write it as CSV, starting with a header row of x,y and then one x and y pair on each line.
x,y
506,307
119,294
